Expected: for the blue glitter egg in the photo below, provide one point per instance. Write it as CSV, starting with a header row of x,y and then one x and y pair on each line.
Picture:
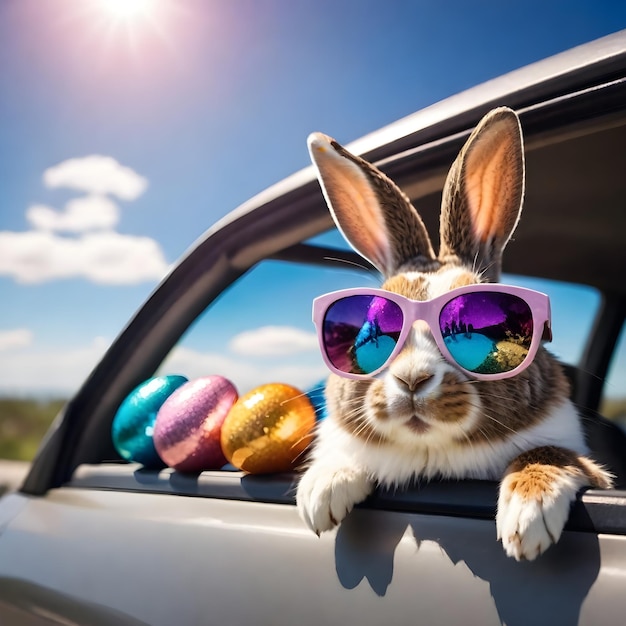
x,y
133,424
318,400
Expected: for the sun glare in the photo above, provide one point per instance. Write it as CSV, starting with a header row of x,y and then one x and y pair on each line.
x,y
137,30
127,9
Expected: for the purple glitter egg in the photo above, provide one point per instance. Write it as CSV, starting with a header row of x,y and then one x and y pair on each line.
x,y
189,423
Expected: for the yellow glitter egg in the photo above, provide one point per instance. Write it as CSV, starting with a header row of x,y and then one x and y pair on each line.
x,y
268,429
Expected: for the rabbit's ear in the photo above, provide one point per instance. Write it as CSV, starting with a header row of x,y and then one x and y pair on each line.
x,y
482,197
372,213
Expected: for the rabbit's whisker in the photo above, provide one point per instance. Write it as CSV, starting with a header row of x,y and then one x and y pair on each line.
x,y
349,262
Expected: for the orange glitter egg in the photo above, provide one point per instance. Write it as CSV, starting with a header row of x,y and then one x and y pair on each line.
x,y
268,429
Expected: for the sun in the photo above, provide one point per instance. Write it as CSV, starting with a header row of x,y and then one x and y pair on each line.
x,y
126,10
137,29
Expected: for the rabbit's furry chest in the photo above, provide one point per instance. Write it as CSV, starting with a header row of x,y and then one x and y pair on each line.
x,y
398,462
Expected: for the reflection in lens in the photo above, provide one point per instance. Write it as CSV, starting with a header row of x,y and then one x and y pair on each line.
x,y
488,332
360,333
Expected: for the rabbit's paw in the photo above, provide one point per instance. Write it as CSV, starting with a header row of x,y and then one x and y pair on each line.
x,y
326,495
533,507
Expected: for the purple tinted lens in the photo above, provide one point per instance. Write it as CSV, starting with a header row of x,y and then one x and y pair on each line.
x,y
487,332
360,333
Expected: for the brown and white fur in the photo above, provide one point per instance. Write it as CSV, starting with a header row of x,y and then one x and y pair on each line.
x,y
423,417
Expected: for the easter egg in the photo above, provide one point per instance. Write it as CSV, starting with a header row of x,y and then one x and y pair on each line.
x,y
268,429
133,425
188,425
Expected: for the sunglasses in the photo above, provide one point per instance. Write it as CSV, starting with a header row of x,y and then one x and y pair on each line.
x,y
488,331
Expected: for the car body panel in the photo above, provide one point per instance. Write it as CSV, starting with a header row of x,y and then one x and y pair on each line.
x,y
162,559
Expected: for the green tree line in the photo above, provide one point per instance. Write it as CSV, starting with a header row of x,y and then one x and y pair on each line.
x,y
23,423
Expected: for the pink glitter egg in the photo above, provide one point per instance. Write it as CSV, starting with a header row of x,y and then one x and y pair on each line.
x,y
188,425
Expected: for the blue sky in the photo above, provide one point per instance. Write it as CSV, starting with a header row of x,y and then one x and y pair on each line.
x,y
123,138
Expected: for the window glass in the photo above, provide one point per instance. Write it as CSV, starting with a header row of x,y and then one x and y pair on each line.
x,y
331,238
574,308
613,404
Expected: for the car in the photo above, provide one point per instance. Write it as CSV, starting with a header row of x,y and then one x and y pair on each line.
x,y
88,538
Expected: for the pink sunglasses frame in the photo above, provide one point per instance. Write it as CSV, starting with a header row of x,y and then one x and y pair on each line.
x,y
428,311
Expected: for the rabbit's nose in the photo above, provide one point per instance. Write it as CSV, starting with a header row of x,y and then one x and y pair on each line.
x,y
414,382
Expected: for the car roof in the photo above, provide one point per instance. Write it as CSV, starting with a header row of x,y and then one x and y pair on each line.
x,y
572,112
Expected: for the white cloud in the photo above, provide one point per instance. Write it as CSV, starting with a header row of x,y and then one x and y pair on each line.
x,y
16,338
273,341
49,370
99,254
96,174
82,214
32,370
103,257
244,374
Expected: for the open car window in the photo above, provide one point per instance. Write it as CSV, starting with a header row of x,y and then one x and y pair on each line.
x,y
260,329
613,403
569,331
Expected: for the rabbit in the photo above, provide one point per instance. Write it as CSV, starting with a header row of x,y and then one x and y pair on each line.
x,y
422,417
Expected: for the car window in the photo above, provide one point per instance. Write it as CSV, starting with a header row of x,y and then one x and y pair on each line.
x,y
331,238
574,308
260,329
613,403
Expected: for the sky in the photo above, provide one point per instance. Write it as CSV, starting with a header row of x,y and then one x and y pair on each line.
x,y
128,127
